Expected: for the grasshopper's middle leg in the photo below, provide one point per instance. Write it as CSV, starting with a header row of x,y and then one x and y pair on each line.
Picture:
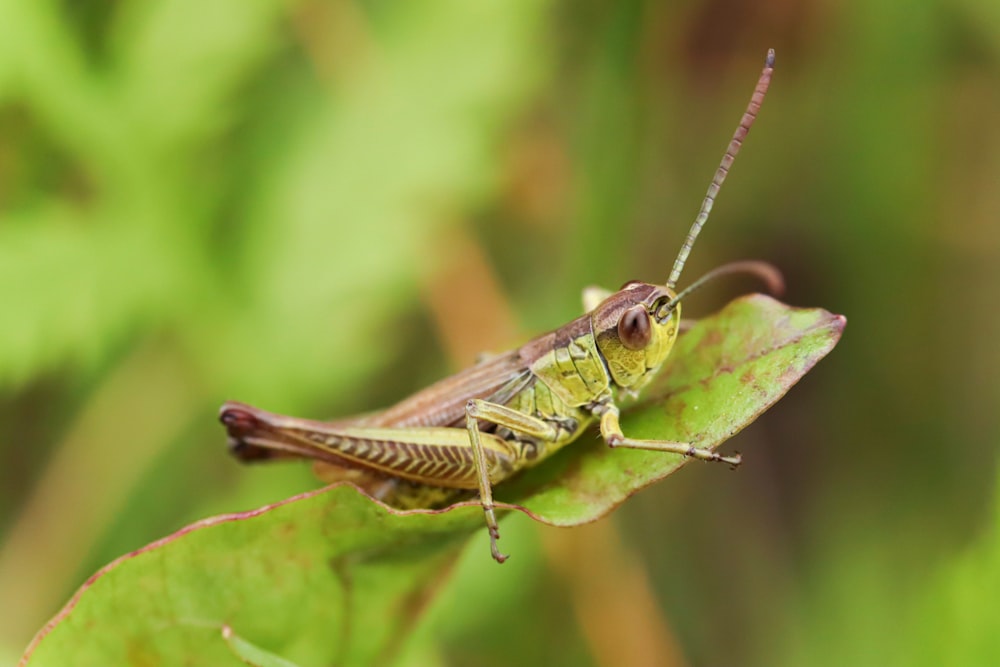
x,y
611,431
518,422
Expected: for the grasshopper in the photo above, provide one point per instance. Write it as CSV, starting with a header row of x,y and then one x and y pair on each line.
x,y
511,411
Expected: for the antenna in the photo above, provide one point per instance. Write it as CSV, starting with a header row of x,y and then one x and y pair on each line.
x,y
727,162
768,273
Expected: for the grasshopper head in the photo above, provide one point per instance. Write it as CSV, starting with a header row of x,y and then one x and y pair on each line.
x,y
635,330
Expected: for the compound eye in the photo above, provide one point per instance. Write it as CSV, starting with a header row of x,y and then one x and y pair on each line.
x,y
634,328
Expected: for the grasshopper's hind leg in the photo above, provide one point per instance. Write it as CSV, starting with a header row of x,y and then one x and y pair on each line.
x,y
476,410
611,431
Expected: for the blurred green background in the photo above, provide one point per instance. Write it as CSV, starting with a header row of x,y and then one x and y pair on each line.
x,y
318,207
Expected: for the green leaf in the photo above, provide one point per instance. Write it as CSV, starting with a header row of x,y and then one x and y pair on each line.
x,y
331,577
328,577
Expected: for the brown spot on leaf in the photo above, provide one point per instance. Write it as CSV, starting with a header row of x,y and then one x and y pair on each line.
x,y
712,338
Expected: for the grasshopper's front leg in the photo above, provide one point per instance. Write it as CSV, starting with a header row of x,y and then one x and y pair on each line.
x,y
611,431
476,410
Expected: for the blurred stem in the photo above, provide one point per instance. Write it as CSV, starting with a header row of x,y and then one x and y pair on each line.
x,y
612,597
142,406
470,310
335,36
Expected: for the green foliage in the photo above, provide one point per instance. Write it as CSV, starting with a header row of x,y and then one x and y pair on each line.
x,y
152,241
959,603
256,200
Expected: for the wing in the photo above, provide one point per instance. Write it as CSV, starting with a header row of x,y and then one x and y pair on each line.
x,y
495,379
257,435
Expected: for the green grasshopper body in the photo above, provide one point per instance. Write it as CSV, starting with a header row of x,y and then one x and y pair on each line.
x,y
509,412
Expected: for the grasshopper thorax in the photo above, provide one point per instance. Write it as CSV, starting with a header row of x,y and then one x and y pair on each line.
x,y
635,331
